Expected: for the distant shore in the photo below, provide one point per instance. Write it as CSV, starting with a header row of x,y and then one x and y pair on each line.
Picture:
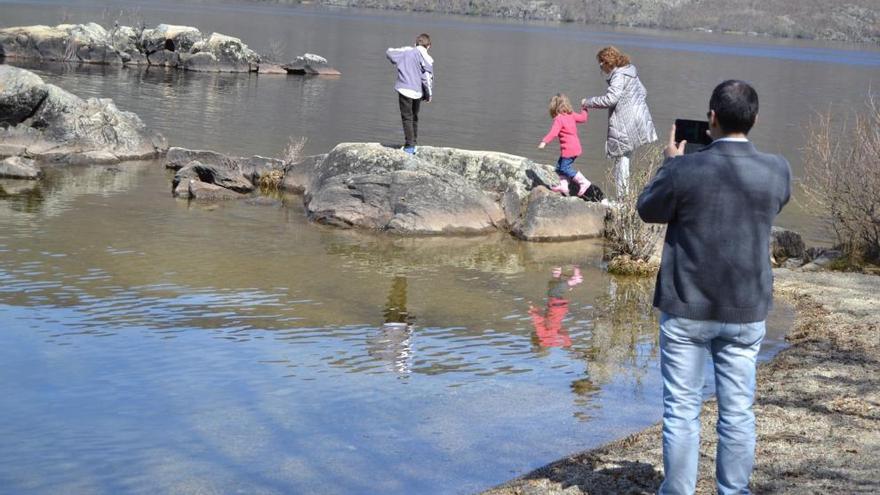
x,y
855,21
818,408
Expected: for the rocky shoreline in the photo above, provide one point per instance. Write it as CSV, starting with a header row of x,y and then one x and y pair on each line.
x,y
166,45
818,408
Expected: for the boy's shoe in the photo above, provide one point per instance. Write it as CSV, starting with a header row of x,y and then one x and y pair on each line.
x,y
562,187
582,182
409,149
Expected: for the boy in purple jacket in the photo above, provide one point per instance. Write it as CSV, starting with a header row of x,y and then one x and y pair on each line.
x,y
415,82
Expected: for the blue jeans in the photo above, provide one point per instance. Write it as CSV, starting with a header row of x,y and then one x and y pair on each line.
x,y
563,167
734,348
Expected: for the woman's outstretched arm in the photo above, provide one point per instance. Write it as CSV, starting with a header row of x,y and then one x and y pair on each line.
x,y
615,89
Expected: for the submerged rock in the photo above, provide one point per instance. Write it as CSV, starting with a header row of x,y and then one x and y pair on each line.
x,y
199,190
50,124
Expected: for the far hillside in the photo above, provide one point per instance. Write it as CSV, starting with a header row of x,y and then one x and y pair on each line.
x,y
847,20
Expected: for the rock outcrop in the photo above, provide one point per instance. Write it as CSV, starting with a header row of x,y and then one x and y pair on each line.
x,y
166,45
237,174
310,64
371,186
784,245
47,123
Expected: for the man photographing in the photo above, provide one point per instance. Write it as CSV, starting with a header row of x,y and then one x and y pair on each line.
x,y
715,285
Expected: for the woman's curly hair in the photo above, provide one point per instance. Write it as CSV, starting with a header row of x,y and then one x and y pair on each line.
x,y
612,58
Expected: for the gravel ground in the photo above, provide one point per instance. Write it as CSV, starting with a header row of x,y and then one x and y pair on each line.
x,y
818,408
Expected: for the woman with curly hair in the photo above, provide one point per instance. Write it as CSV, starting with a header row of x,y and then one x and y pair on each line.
x,y
629,121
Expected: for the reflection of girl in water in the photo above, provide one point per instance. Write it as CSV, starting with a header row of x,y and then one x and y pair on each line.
x,y
548,326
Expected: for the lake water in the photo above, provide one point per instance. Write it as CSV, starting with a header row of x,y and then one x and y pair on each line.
x,y
149,345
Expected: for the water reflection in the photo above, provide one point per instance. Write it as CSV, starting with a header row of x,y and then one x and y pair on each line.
x,y
624,335
56,191
549,331
392,342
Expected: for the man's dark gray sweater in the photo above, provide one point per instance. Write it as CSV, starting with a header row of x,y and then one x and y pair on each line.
x,y
719,204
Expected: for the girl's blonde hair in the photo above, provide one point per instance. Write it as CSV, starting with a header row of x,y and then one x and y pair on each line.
x,y
612,58
559,104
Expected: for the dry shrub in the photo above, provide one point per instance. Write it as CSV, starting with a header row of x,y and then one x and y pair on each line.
x,y
271,181
275,51
842,179
625,265
629,238
293,150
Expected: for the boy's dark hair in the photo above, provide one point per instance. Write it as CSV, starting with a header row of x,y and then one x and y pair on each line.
x,y
423,40
736,105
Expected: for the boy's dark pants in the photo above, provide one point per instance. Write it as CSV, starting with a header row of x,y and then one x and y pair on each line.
x,y
409,114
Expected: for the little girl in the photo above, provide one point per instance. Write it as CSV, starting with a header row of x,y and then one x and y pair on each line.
x,y
565,128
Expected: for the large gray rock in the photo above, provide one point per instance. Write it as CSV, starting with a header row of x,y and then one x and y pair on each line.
x,y
209,192
439,190
52,124
166,45
375,187
221,53
89,43
297,176
16,167
785,244
20,96
551,216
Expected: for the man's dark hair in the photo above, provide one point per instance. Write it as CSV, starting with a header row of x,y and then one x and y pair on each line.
x,y
736,105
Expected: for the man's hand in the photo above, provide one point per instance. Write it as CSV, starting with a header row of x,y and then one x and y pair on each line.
x,y
671,149
542,145
584,103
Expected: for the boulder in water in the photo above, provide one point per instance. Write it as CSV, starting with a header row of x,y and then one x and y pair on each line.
x,y
311,64
49,123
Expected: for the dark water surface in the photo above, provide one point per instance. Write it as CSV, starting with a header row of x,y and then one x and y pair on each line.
x,y
148,345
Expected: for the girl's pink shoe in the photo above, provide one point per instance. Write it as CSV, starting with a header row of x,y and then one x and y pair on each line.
x,y
562,187
582,182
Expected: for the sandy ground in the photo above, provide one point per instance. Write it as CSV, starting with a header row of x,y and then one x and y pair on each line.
x,y
818,408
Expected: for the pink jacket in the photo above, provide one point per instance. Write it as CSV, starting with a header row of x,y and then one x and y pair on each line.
x,y
565,127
